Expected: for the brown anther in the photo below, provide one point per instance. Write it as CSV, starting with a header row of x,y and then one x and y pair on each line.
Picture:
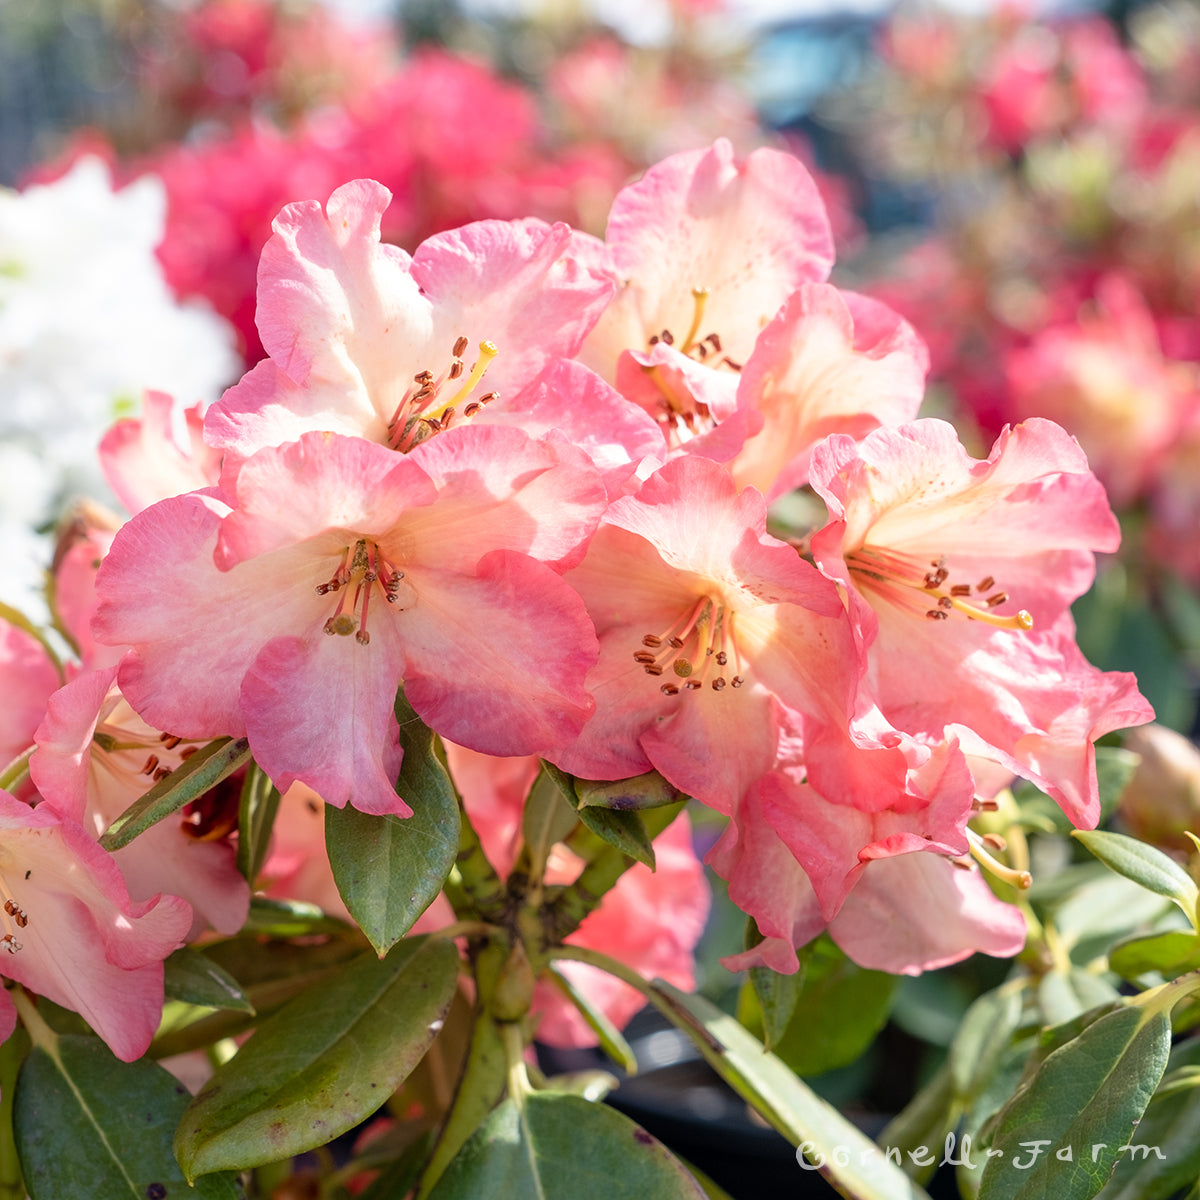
x,y
488,397
985,584
946,603
668,337
652,640
722,658
456,368
669,689
961,589
714,341
151,763
676,643
460,345
736,681
169,740
937,614
362,637
996,598
654,340
10,943
987,806
733,366
188,751
447,417
471,409
643,656
16,912
963,862
653,669
702,350
423,377
693,684
161,774
993,841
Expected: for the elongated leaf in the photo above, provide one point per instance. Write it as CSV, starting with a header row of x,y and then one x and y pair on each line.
x,y
1061,1133
612,1041
1171,952
257,806
558,1146
90,1126
838,1009
389,869
984,1035
623,830
191,977
189,781
290,919
1145,865
12,1054
323,1063
1168,1137
848,1159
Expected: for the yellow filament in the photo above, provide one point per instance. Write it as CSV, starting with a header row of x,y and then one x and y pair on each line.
x,y
487,351
700,299
1018,620
1019,879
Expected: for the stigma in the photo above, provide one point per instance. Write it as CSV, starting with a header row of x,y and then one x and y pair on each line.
x,y
698,648
363,569
904,578
432,403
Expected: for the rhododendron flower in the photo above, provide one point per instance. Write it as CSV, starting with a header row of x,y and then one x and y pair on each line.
x,y
95,756
650,920
71,934
342,569
364,340
829,362
1105,379
707,250
706,625
27,679
906,913
960,574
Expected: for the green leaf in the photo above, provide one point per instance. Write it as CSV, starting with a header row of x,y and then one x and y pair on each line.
x,y
923,1122
323,1063
189,781
257,806
982,1038
1063,996
1170,1133
777,996
548,818
191,977
612,1042
12,1054
556,1146
1170,953
623,830
1145,865
90,1125
641,791
838,1010
290,919
389,869
831,1144
1083,1100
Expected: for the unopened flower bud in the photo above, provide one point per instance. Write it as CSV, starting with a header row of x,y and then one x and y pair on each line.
x,y
1163,797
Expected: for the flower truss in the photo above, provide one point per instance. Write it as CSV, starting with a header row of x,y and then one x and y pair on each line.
x,y
496,521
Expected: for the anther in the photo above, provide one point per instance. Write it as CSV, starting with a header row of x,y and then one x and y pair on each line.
x,y
736,681
985,584
997,598
10,943
718,684
669,689
961,589
667,337
937,614
653,669
722,658
460,345
733,366
151,763
169,740
643,656
17,913
652,640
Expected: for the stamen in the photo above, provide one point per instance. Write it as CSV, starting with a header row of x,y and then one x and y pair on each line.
x,y
1018,879
17,913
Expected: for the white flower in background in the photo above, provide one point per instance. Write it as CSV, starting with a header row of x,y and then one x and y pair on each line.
x,y
87,324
